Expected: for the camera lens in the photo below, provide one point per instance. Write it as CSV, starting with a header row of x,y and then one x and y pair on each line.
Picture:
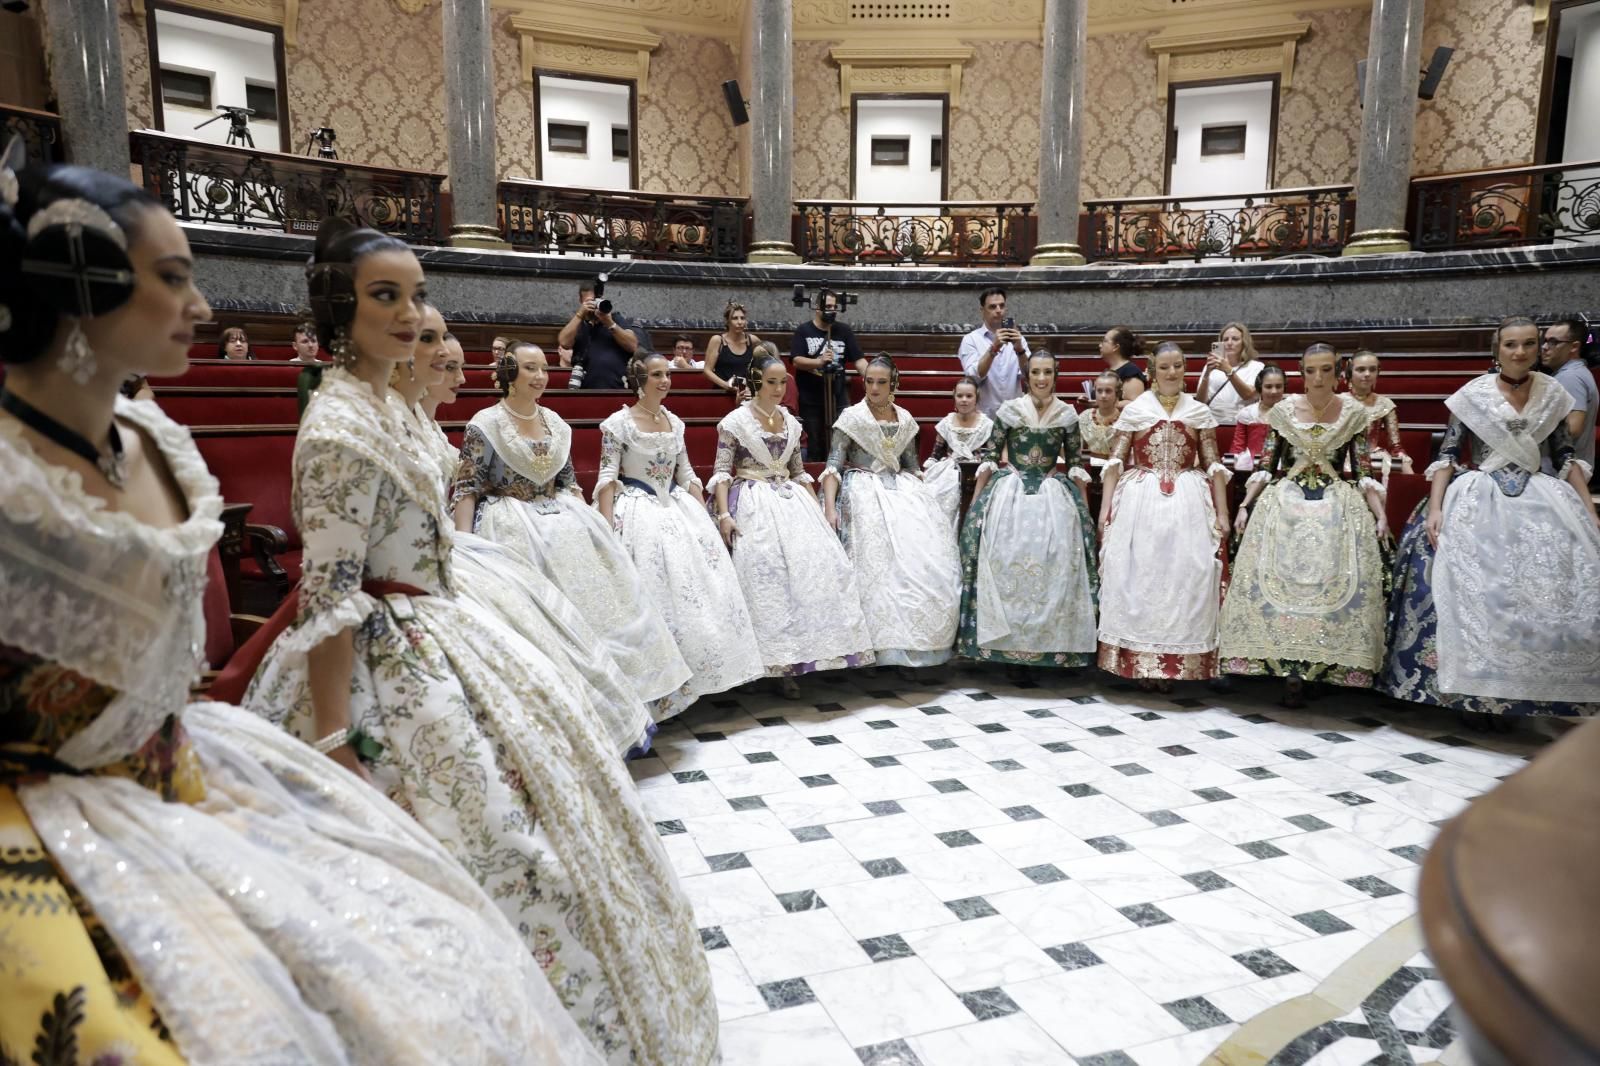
x,y
605,307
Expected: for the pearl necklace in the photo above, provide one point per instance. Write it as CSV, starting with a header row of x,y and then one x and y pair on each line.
x,y
537,416
657,415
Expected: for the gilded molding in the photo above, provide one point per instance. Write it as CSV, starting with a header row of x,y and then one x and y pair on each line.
x,y
584,44
1227,50
1541,14
891,24
932,68
723,19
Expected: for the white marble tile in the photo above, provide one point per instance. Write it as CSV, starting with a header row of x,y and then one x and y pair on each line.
x,y
951,811
886,905
817,724
933,765
1243,1002
683,801
1093,1010
684,855
765,738
1126,878
1285,798
1375,916
1348,1051
1146,792
737,995
1418,799
959,873
1233,921
1062,912
809,759
982,953
732,896
1185,848
753,779
1192,771
1238,752
1291,886
1115,749
1404,877
1092,816
1033,842
1015,1040
795,1036
1322,955
888,837
1339,853
1481,760
814,864
1421,1007
793,945
1185,1050
886,1000
1238,821
719,834
876,742
691,754
1013,788
937,727
1169,962
815,806
1458,780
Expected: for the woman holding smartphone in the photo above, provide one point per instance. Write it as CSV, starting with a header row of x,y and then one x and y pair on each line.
x,y
1228,381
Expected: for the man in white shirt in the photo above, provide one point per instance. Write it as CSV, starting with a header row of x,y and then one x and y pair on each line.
x,y
990,353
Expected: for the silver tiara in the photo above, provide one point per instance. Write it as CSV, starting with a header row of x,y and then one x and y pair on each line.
x,y
77,213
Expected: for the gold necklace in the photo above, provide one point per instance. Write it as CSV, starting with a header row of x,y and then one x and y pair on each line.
x,y
1169,403
769,419
1317,412
656,414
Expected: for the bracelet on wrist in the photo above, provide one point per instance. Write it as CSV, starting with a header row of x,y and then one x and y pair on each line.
x,y
337,739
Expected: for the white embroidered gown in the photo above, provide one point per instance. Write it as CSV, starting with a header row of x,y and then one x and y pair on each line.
x,y
797,580
273,908
954,445
503,582
484,741
529,501
679,554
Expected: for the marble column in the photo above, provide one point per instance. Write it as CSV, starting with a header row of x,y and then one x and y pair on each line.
x,y
771,40
469,117
1388,116
1061,102
86,73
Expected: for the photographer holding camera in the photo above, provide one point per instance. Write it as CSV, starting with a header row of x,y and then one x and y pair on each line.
x,y
994,353
819,351
602,341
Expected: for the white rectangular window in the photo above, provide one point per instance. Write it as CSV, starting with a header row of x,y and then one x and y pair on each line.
x,y
588,132
207,63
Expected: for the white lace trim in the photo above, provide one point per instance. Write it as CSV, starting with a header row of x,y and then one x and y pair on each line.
x,y
1583,467
1258,478
1369,483
1441,464
1217,468
720,478
987,468
1080,475
348,613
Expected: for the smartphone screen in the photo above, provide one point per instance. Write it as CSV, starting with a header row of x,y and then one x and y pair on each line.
x,y
1010,323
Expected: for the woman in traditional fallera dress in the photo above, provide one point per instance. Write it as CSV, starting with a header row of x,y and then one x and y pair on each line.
x,y
1163,521
1496,604
958,438
1095,425
1251,429
1027,545
515,485
898,539
1383,421
1306,597
797,580
195,885
649,494
475,731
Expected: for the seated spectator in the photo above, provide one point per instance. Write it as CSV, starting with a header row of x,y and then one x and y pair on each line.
x,y
234,344
1250,428
305,343
683,353
497,348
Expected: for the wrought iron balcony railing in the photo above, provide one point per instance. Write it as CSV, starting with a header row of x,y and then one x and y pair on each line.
x,y
944,233
211,183
643,225
1511,205
1263,225
40,132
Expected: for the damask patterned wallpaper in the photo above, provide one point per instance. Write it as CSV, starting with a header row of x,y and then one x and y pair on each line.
x,y
1487,108
687,142
994,134
136,72
821,126
1125,121
1319,117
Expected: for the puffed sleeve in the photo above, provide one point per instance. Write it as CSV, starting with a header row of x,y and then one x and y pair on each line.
x,y
1072,454
797,468
1117,455
838,452
567,479
941,449
988,455
908,458
1210,457
337,491
683,474
722,468
472,471
1268,461
1452,449
1361,463
1563,452
1391,429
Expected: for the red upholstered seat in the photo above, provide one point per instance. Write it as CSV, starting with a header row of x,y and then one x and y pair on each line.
x,y
214,603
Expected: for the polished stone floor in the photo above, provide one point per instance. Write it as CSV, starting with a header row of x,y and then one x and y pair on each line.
x,y
951,869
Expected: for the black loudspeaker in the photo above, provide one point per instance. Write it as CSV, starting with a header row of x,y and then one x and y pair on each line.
x,y
735,98
1435,72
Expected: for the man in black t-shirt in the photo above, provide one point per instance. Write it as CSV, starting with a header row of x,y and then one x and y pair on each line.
x,y
601,343
823,342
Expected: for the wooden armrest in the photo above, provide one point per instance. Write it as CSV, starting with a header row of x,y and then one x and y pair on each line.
x,y
264,543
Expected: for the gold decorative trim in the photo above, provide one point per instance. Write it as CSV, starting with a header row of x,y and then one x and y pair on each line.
x,y
585,43
722,19
1541,14
932,68
284,14
1226,50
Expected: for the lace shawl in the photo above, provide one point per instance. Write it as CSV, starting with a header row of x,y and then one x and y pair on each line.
x,y
742,426
857,423
346,413
965,442
1513,437
1021,412
512,448
1145,411
102,594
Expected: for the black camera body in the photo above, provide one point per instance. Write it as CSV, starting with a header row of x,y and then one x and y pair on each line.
x,y
604,306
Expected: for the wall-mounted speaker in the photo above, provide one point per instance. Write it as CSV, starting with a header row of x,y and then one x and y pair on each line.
x,y
1435,72
735,98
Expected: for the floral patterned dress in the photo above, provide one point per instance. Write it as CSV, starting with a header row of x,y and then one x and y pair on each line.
x,y
476,733
797,580
528,501
178,880
1518,631
679,555
897,536
954,444
1306,597
1160,560
1027,546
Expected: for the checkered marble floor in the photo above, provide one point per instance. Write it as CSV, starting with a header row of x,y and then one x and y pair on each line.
x,y
959,870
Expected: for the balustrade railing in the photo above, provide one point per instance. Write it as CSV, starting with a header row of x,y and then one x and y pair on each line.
x,y
944,233
1263,225
211,183
644,225
40,132
1511,205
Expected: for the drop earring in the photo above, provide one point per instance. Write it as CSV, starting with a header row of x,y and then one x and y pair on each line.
x,y
77,359
343,352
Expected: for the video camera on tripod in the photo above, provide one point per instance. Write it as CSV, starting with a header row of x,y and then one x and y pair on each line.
x,y
238,123
819,303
